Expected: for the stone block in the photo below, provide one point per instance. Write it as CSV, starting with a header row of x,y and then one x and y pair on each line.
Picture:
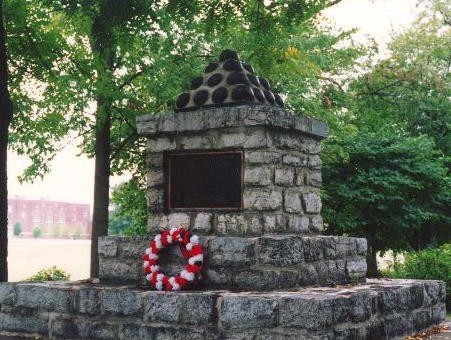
x,y
313,178
160,144
231,251
154,161
280,250
296,160
230,224
312,202
356,270
397,325
287,141
262,199
438,313
259,176
87,301
284,176
314,162
274,223
154,178
300,177
238,224
313,248
247,312
117,301
361,310
7,293
162,307
307,275
82,328
35,323
416,296
198,309
421,319
119,270
195,142
304,311
394,300
41,296
202,223
107,246
251,139
292,201
316,223
155,198
262,157
336,272
298,224
260,280
217,277
361,246
134,247
195,121
432,289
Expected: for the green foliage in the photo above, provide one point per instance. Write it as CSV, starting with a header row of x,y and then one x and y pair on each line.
x,y
37,232
130,214
386,187
17,230
428,264
49,274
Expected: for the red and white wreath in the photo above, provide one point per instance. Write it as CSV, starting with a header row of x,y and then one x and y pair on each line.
x,y
191,250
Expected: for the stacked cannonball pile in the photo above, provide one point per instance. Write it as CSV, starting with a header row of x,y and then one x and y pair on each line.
x,y
227,82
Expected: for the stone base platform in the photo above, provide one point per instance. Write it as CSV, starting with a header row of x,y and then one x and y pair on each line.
x,y
246,263
379,309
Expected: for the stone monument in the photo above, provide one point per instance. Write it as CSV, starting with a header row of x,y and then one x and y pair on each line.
x,y
237,169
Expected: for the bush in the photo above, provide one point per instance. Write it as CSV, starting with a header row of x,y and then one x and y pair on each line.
x,y
429,264
49,274
17,230
37,232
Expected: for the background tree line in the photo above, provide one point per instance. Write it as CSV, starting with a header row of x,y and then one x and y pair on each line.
x,y
84,70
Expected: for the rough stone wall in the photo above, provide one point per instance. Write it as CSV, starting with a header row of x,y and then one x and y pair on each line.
x,y
378,310
253,263
282,168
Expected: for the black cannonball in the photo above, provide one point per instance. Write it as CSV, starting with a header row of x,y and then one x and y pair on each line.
x,y
259,95
264,83
269,96
248,67
200,97
242,93
219,95
228,54
211,67
232,65
237,78
214,80
254,80
196,83
279,100
182,100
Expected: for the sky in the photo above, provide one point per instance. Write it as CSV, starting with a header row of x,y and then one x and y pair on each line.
x,y
72,177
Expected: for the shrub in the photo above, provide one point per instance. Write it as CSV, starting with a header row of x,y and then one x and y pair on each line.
x,y
37,232
49,274
429,264
17,230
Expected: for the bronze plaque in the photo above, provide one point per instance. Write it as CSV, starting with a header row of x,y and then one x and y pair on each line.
x,y
204,180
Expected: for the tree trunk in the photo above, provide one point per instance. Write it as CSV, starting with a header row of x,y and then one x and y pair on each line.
x,y
101,180
102,44
6,112
371,261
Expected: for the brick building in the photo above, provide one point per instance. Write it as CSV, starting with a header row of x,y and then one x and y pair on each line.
x,y
54,219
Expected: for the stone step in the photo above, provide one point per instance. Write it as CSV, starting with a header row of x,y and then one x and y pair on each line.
x,y
379,309
257,263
